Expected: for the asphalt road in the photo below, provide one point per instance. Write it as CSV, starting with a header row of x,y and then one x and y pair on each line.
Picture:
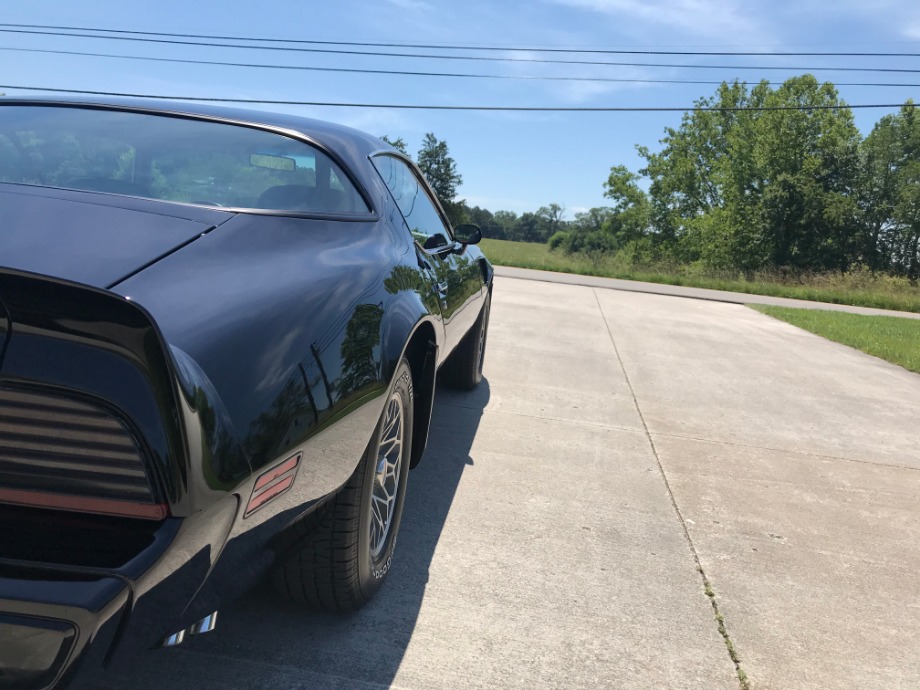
x,y
627,453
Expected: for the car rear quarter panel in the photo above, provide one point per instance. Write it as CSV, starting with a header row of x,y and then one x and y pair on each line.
x,y
286,331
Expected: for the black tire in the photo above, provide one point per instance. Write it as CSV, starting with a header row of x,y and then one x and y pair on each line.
x,y
342,562
463,369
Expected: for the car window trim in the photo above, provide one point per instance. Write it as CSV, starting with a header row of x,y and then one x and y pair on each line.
x,y
423,184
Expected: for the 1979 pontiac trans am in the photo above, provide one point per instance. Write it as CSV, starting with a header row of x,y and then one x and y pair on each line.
x,y
220,333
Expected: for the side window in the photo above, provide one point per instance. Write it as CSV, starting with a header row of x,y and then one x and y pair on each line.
x,y
417,208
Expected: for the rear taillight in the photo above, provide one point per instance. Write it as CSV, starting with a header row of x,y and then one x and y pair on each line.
x,y
68,454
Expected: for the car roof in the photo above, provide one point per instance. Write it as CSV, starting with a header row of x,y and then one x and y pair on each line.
x,y
351,145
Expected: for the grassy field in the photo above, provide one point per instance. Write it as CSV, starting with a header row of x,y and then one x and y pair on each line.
x,y
860,288
894,339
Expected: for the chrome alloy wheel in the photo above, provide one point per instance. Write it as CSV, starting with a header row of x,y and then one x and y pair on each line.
x,y
386,475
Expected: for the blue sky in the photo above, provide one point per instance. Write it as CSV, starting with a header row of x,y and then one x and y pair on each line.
x,y
514,161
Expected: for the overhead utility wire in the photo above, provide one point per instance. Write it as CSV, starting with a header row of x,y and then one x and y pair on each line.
x,y
447,46
481,58
493,108
395,72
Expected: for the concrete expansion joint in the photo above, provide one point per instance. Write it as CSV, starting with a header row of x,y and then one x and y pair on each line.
x,y
788,451
743,681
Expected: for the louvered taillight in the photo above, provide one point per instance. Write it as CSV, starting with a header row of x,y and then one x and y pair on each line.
x,y
69,454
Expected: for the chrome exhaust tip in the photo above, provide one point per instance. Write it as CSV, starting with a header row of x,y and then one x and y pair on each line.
x,y
173,640
205,625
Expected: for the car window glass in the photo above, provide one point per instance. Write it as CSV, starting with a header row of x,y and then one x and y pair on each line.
x,y
170,158
417,208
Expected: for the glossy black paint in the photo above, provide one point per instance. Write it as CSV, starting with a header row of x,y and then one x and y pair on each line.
x,y
100,243
230,342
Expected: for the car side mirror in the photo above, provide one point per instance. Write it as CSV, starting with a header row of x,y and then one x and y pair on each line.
x,y
468,233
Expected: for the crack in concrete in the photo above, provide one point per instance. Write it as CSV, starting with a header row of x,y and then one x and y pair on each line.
x,y
743,682
788,451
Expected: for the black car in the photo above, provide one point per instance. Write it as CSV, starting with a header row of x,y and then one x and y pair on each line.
x,y
220,334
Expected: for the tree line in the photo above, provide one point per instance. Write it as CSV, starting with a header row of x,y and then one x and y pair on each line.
x,y
754,178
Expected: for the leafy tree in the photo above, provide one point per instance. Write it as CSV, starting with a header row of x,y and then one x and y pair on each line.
x,y
506,220
487,222
601,231
592,219
439,168
527,228
690,176
396,143
890,193
807,216
551,220
760,188
628,219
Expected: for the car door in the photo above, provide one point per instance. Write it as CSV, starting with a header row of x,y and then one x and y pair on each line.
x,y
456,278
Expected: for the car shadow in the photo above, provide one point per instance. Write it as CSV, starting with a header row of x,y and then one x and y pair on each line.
x,y
261,639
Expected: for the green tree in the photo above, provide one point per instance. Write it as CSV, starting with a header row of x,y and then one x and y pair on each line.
x,y
744,188
628,219
487,222
890,193
689,177
439,168
551,220
808,156
592,219
527,228
506,220
398,143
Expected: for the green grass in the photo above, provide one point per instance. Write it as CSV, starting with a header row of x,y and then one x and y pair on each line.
x,y
859,288
894,339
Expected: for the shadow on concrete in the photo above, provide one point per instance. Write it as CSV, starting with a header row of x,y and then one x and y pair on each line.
x,y
262,639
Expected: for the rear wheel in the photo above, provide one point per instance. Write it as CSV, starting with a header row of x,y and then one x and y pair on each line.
x,y
345,558
463,369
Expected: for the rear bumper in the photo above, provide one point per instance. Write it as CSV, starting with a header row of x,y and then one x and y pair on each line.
x,y
49,620
68,626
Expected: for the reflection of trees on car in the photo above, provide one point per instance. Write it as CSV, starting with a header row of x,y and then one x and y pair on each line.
x,y
271,430
223,178
362,336
30,158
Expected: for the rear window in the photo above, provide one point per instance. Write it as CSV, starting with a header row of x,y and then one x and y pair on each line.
x,y
170,158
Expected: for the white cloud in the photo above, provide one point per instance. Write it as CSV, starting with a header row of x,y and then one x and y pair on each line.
x,y
377,121
913,31
413,5
580,92
727,20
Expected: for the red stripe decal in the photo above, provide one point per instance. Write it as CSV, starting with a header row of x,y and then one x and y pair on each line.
x,y
81,504
258,501
276,472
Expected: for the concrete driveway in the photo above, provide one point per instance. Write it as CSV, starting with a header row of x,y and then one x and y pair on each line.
x,y
636,469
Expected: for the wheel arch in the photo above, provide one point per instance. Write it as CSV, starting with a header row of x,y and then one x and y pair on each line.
x,y
421,351
418,342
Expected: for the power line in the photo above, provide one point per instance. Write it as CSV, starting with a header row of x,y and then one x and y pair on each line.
x,y
488,108
448,46
480,58
396,72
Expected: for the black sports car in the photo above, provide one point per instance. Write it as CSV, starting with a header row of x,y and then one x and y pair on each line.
x,y
220,333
